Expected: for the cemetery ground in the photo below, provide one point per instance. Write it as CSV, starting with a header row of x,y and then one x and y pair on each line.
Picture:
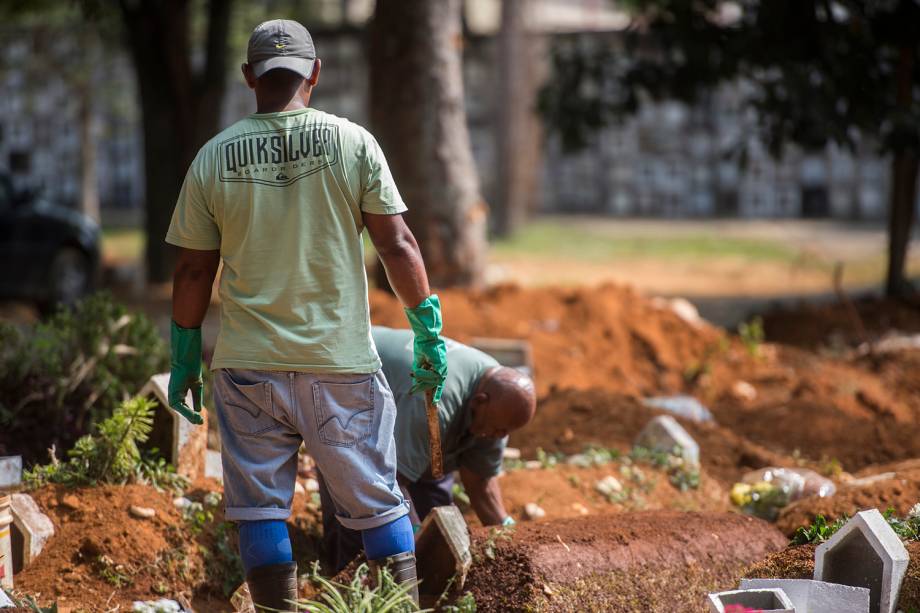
x,y
604,523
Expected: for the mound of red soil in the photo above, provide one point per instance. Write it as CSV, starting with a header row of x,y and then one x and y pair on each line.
x,y
606,337
896,487
613,339
813,326
799,563
568,421
102,557
653,561
569,491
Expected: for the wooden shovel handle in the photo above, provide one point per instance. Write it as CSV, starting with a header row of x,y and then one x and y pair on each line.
x,y
434,436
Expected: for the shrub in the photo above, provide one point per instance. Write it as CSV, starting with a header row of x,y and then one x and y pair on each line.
x,y
357,596
61,376
111,455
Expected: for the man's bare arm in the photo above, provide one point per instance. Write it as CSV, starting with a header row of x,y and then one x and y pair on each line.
x,y
485,497
194,276
400,256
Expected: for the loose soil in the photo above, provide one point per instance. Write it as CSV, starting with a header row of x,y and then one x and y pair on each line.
x,y
894,486
101,556
799,563
652,561
833,325
612,339
569,492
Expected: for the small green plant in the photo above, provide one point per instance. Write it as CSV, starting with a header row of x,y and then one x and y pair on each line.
x,y
907,528
752,335
111,455
548,460
357,596
490,545
461,498
464,604
819,530
223,564
113,574
28,603
682,474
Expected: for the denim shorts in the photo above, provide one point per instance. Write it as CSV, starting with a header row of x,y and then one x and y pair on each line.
x,y
344,420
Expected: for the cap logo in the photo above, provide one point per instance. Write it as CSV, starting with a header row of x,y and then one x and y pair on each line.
x,y
280,45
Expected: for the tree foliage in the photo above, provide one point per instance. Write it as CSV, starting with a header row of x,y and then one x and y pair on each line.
x,y
816,71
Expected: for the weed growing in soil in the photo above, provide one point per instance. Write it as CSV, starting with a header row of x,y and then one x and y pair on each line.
x,y
357,596
224,567
496,534
28,604
752,335
681,474
819,530
111,455
464,604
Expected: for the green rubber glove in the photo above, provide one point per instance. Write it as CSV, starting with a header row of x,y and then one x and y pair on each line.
x,y
185,372
429,363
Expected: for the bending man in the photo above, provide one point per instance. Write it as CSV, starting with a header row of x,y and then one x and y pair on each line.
x,y
481,404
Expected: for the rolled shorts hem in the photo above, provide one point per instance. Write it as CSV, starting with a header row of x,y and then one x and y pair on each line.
x,y
255,513
366,523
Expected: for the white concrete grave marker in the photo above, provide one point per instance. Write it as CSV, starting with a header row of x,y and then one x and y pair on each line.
x,y
866,552
763,601
810,596
665,435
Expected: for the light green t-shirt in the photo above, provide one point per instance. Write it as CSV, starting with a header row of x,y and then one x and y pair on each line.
x,y
281,195
465,366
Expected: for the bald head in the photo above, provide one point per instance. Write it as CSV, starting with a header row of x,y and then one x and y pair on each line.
x,y
505,401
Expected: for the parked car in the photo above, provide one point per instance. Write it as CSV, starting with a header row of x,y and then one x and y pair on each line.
x,y
49,253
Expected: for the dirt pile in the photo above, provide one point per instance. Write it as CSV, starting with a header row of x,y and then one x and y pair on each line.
x,y
102,556
653,561
606,337
570,492
895,486
834,325
612,339
799,563
568,421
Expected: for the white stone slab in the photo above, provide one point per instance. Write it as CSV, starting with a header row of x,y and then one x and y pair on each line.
x,y
34,526
762,600
866,552
664,434
809,596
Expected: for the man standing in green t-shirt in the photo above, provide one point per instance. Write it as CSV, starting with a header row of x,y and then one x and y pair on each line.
x,y
280,198
481,404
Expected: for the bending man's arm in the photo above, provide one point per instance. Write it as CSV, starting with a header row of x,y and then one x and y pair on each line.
x,y
485,497
400,257
192,281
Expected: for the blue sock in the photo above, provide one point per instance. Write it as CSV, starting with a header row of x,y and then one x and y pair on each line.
x,y
389,539
264,542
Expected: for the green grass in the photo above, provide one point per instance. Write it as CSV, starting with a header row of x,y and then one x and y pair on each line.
x,y
552,240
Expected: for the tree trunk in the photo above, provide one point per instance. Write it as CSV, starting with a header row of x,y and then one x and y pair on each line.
x,y
180,109
417,114
903,189
89,188
519,129
900,221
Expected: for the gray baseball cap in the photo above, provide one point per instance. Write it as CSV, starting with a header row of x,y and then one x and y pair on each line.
x,y
281,43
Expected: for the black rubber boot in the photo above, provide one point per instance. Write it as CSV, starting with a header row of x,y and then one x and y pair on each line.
x,y
273,586
401,567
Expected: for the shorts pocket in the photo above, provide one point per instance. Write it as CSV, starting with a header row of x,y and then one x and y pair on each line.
x,y
247,406
344,411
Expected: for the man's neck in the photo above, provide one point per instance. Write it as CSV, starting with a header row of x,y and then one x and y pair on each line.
x,y
296,103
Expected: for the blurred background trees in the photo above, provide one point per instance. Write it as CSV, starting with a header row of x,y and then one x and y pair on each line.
x,y
843,72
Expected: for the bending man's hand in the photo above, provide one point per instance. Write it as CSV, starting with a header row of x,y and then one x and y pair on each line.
x,y
429,363
185,372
